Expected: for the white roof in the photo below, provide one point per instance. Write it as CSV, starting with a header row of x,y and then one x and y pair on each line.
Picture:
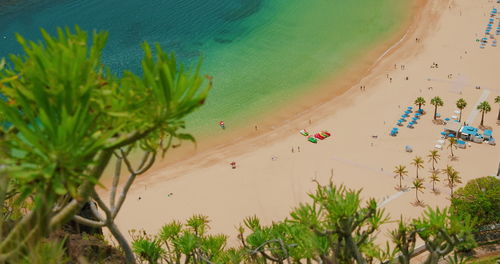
x,y
452,126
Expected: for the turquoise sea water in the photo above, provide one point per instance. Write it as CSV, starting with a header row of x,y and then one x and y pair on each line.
x,y
262,53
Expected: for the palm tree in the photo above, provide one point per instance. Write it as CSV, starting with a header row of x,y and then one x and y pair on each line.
x,y
434,157
418,185
484,107
461,104
418,162
436,101
497,101
453,180
434,178
419,101
401,172
449,171
451,144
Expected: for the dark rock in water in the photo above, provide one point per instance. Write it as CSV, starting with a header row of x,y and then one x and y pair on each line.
x,y
223,41
247,8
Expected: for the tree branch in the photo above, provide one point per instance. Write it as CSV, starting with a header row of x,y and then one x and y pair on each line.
x,y
133,137
26,220
129,182
88,222
84,192
116,180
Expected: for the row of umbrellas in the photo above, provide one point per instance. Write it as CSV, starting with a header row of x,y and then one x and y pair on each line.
x,y
406,114
489,27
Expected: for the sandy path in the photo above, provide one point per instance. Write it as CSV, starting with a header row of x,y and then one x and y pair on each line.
x,y
269,188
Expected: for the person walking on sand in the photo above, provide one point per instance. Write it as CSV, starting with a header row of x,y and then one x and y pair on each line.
x,y
233,165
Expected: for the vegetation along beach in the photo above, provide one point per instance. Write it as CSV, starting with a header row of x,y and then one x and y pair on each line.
x,y
249,131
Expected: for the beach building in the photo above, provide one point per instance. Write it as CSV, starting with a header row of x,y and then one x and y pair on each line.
x,y
488,135
466,132
452,128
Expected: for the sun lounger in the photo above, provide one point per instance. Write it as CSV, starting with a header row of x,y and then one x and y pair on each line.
x,y
304,132
438,146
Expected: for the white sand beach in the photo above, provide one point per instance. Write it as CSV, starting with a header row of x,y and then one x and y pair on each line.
x,y
360,153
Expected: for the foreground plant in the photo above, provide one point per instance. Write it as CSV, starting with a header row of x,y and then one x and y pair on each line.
x,y
65,116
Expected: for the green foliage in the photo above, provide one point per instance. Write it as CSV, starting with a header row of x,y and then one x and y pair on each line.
x,y
479,198
186,242
69,114
47,252
148,250
444,231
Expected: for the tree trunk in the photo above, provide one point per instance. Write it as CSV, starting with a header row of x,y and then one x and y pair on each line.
x,y
482,117
433,258
354,249
129,255
498,118
435,111
419,106
460,118
417,172
416,194
400,184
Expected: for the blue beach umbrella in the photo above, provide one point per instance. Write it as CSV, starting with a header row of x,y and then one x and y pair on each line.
x,y
443,133
451,135
407,112
410,107
414,119
418,114
412,122
447,119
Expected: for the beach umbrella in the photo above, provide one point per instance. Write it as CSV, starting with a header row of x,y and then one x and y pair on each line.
x,y
443,133
451,135
418,114
412,122
410,107
447,119
414,119
407,112
401,120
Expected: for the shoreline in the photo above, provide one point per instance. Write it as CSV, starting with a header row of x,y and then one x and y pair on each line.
x,y
360,154
346,79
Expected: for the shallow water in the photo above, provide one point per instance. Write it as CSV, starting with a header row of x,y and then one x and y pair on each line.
x,y
261,53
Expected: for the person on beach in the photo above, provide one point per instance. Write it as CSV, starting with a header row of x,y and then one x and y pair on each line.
x,y
222,125
233,165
